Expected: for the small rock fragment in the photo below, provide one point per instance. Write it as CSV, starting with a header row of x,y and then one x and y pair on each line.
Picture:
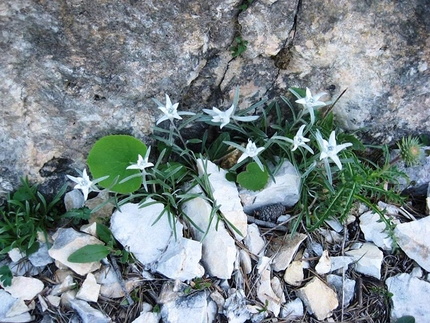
x,y
235,308
344,290
245,261
368,259
110,286
292,310
410,297
254,241
375,230
41,257
340,262
66,242
13,309
25,288
89,290
146,316
324,264
265,292
66,285
319,299
87,313
73,200
284,250
414,239
294,274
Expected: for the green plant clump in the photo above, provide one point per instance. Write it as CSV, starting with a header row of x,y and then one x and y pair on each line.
x,y
252,144
26,214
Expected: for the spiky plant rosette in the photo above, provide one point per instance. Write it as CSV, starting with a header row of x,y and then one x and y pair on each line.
x,y
410,150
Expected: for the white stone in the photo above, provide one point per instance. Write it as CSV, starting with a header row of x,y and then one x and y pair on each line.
x,y
292,310
54,300
294,274
178,307
87,313
181,260
344,290
66,242
90,228
319,299
284,250
265,292
277,288
139,230
25,288
218,247
41,257
340,262
146,316
331,236
368,259
410,297
66,285
110,286
374,230
15,255
254,241
324,264
235,307
335,225
226,196
73,200
284,190
414,239
245,261
13,309
43,305
89,290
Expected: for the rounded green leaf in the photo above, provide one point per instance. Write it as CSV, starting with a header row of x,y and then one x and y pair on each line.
x,y
110,156
253,178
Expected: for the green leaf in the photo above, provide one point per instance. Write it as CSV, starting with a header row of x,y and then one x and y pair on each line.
x,y
406,319
103,233
5,276
253,178
90,253
110,156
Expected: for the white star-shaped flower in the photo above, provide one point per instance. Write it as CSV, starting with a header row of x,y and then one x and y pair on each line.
x,y
329,149
312,102
84,183
300,141
142,163
224,117
251,151
170,111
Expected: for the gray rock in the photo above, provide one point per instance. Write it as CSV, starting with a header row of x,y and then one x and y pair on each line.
x,y
73,200
292,310
265,291
284,249
235,307
41,257
178,307
368,259
254,241
284,190
410,297
87,313
13,309
345,290
374,230
414,239
25,288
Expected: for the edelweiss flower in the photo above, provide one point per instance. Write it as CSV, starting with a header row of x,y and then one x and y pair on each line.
x,y
170,111
299,140
311,102
224,116
329,149
83,183
250,150
141,164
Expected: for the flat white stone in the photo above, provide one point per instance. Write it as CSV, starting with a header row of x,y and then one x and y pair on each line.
x,y
53,300
254,241
66,285
245,261
109,284
284,250
25,288
138,229
89,290
41,257
340,262
294,274
368,259
277,288
13,309
374,230
410,297
414,239
181,308
292,310
15,255
147,317
235,307
226,195
319,299
284,190
181,260
218,247
265,292
324,264
73,200
66,242
344,290
87,313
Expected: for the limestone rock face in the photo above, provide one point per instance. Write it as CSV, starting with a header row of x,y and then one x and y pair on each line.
x,y
73,72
